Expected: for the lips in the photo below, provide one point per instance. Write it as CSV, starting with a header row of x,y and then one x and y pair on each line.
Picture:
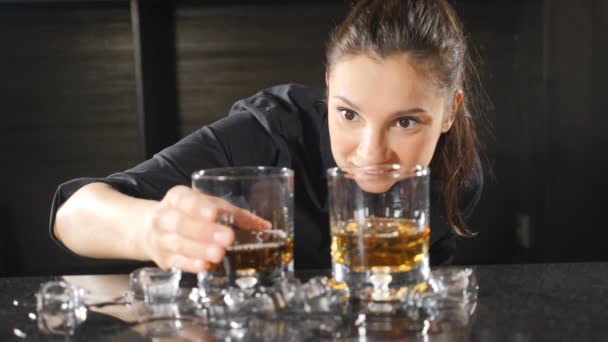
x,y
374,169
371,172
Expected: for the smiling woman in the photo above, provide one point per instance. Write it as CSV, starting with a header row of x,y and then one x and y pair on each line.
x,y
397,93
388,116
398,73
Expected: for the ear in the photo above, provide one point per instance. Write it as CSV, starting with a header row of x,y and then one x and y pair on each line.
x,y
326,79
449,119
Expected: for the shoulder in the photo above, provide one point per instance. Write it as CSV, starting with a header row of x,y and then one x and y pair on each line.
x,y
289,97
259,128
284,109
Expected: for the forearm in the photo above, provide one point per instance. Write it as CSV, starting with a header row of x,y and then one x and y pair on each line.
x,y
100,222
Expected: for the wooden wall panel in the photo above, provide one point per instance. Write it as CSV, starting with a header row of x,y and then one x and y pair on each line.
x,y
227,52
68,110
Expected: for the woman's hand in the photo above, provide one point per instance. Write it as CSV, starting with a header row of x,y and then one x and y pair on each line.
x,y
182,230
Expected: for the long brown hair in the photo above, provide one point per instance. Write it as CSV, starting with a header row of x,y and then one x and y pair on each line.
x,y
430,31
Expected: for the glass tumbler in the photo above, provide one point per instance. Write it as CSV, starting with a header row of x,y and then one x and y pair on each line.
x,y
256,256
379,221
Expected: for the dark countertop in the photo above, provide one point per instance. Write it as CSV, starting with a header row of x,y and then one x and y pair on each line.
x,y
533,302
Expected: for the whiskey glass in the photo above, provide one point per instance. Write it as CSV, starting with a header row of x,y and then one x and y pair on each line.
x,y
379,223
256,256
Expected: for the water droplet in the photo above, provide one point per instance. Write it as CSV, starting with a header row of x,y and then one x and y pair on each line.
x,y
19,333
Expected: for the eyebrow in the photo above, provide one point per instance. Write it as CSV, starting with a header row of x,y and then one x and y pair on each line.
x,y
397,113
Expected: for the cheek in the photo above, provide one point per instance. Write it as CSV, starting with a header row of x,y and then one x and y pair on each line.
x,y
417,149
342,143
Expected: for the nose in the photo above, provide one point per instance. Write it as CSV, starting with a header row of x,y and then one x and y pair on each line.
x,y
373,148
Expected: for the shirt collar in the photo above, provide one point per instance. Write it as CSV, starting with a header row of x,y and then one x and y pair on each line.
x,y
327,158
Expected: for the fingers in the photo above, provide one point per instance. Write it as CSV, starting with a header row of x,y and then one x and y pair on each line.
x,y
188,255
174,221
177,245
187,200
171,220
218,208
184,230
185,264
245,219
212,208
178,240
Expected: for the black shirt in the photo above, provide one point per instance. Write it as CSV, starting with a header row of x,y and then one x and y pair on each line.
x,y
282,126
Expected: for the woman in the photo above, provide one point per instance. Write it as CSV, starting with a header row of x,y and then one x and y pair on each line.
x,y
396,94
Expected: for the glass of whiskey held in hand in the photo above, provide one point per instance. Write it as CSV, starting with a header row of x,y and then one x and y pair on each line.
x,y
379,221
258,255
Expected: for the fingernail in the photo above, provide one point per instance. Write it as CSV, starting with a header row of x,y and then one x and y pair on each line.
x,y
224,238
214,253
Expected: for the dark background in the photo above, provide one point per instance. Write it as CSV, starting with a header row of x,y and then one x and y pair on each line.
x,y
88,88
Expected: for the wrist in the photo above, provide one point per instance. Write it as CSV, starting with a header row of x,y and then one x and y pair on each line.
x,y
140,231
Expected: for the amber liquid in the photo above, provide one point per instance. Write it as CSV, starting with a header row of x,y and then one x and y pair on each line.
x,y
256,257
387,244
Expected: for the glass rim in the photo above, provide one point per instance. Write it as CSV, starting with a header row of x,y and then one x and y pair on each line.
x,y
395,170
241,173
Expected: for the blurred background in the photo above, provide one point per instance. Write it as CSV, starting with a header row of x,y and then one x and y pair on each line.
x,y
88,88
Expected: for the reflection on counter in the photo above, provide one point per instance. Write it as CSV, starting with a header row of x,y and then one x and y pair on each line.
x,y
317,309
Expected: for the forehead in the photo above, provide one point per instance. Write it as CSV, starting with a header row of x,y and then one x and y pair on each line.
x,y
393,80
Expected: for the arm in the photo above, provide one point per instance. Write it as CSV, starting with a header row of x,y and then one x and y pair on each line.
x,y
149,212
179,231
98,222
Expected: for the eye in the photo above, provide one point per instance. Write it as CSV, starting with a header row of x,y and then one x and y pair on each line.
x,y
407,122
347,114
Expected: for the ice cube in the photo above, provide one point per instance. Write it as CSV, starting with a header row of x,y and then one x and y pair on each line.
x,y
158,285
230,311
210,286
149,312
322,294
136,286
449,294
458,285
60,308
288,287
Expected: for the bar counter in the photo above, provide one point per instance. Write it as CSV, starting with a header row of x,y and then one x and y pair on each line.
x,y
524,302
